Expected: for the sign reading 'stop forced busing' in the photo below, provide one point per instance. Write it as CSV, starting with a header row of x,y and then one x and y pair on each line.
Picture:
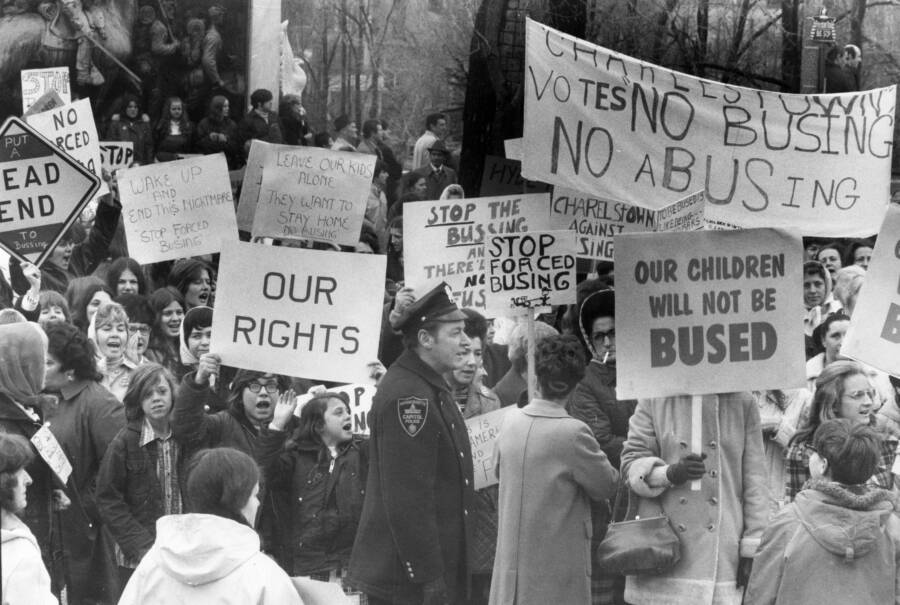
x,y
626,130
42,191
708,312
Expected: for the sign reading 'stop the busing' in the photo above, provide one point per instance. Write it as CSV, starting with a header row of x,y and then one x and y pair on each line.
x,y
42,191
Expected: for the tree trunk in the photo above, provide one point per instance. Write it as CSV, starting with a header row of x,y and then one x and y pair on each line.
x,y
790,45
702,37
857,16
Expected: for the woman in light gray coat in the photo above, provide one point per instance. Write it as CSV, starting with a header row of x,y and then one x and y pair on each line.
x,y
550,467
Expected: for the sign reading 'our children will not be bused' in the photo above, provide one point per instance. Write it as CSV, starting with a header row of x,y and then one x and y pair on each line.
x,y
177,209
305,313
635,132
708,312
874,333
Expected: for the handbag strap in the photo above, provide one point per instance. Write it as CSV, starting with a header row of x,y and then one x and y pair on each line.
x,y
633,500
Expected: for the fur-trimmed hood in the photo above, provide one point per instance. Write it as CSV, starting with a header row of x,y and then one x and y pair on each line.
x,y
848,521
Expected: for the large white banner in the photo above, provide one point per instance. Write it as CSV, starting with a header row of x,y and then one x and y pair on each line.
x,y
604,123
306,313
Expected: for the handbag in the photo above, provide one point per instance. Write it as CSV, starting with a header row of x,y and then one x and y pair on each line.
x,y
636,546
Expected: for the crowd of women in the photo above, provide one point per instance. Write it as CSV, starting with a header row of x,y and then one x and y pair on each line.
x,y
172,453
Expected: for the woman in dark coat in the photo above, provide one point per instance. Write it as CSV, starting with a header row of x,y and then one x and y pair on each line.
x,y
84,421
132,125
217,132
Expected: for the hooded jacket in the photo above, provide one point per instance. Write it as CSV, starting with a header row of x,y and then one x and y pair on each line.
x,y
207,559
833,544
25,579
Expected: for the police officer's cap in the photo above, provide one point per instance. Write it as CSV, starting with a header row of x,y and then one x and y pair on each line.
x,y
435,305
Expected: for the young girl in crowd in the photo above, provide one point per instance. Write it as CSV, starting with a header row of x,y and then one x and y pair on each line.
x,y
193,279
140,479
168,309
193,339
838,541
85,295
54,308
174,133
84,422
125,276
320,472
109,333
843,390
212,554
140,319
25,580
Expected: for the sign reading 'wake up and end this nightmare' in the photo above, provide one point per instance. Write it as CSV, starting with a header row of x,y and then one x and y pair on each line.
x,y
630,131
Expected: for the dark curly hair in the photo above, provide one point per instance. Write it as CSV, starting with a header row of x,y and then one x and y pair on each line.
x,y
15,454
559,365
476,324
71,347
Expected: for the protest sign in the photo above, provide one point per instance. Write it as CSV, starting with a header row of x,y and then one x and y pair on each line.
x,y
631,131
687,214
484,431
116,154
71,127
313,193
298,312
596,221
177,209
360,397
708,312
514,149
504,177
533,269
444,240
47,101
874,334
37,82
43,192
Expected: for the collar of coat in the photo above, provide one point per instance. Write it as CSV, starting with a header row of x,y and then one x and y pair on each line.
x,y
544,409
412,362
71,389
854,497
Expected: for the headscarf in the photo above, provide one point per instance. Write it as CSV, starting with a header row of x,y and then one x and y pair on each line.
x,y
598,304
23,358
198,316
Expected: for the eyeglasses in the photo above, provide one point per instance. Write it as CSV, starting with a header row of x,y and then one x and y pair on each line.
x,y
601,335
142,328
255,387
862,393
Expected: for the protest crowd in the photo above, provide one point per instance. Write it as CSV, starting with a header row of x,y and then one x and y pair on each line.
x,y
159,442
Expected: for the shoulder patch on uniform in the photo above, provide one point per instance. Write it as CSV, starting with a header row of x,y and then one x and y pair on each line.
x,y
412,412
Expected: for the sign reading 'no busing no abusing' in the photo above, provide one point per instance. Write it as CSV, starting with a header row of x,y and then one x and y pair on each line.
x,y
42,191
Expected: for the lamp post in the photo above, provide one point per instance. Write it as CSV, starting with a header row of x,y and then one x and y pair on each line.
x,y
812,64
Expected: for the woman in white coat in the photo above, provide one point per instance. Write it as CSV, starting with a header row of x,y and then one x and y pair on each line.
x,y
720,525
212,555
550,467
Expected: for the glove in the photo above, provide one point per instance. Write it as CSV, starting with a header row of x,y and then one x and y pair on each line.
x,y
435,593
745,566
689,467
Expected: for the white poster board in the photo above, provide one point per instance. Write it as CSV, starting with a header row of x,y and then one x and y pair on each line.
x,y
484,432
305,313
116,154
37,82
532,269
72,129
708,312
443,241
874,334
177,209
313,193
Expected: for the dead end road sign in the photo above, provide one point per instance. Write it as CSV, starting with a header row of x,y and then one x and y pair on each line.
x,y
42,191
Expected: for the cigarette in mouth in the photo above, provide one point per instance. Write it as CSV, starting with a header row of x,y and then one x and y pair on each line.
x,y
605,357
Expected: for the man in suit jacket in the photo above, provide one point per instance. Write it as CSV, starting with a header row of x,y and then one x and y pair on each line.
x,y
437,174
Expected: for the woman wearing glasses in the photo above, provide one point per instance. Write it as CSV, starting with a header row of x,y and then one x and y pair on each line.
x,y
843,390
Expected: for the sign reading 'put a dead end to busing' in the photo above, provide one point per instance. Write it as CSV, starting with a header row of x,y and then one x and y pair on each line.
x,y
42,190
693,319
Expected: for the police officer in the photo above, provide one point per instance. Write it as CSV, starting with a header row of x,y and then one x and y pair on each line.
x,y
414,534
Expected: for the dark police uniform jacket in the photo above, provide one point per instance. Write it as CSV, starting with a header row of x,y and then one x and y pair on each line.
x,y
417,516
